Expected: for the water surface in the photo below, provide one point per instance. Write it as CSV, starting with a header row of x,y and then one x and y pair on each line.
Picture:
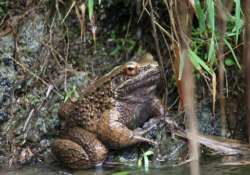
x,y
207,168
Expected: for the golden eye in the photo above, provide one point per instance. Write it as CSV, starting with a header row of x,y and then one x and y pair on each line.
x,y
131,69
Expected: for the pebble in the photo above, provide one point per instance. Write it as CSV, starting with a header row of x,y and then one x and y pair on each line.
x,y
3,117
5,82
7,61
45,143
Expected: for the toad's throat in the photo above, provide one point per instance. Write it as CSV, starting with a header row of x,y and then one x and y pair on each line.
x,y
150,79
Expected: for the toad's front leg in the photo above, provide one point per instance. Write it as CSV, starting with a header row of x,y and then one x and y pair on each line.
x,y
116,134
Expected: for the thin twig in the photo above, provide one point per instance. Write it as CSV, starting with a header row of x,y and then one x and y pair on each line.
x,y
67,14
28,119
157,45
66,60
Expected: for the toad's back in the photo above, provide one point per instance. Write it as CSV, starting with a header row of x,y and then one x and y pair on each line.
x,y
87,110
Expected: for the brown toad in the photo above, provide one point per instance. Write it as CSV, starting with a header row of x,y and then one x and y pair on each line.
x,y
108,113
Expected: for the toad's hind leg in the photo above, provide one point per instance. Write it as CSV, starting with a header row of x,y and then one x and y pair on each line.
x,y
79,149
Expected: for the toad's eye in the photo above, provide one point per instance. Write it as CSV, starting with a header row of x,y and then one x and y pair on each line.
x,y
131,69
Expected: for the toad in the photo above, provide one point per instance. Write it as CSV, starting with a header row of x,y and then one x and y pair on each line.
x,y
108,113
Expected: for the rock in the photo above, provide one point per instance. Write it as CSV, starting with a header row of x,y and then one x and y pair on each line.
x,y
28,47
45,143
33,136
208,125
3,117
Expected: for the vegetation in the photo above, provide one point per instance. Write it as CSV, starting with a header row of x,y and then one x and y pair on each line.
x,y
199,42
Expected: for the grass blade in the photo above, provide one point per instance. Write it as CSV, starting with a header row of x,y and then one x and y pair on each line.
x,y
199,63
121,173
181,65
139,163
146,163
238,19
211,14
233,53
214,84
200,15
211,51
91,8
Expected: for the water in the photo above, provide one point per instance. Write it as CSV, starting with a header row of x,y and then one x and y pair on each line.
x,y
207,168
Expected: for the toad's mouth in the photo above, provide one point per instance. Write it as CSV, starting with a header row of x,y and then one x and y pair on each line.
x,y
142,80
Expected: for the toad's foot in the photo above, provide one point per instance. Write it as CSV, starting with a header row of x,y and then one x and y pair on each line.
x,y
143,139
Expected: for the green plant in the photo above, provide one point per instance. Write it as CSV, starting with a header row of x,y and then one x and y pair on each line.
x,y
121,173
3,8
206,35
122,45
32,99
144,159
71,93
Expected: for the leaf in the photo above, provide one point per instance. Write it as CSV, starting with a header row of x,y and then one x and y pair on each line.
x,y
214,84
115,51
181,65
91,8
70,93
195,60
229,62
67,96
113,35
121,173
211,14
200,15
75,93
1,10
238,19
198,62
146,162
211,51
149,153
233,53
81,18
139,163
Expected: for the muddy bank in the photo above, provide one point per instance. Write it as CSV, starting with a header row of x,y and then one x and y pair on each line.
x,y
44,59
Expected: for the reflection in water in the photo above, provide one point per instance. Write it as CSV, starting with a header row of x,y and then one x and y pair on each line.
x,y
211,168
